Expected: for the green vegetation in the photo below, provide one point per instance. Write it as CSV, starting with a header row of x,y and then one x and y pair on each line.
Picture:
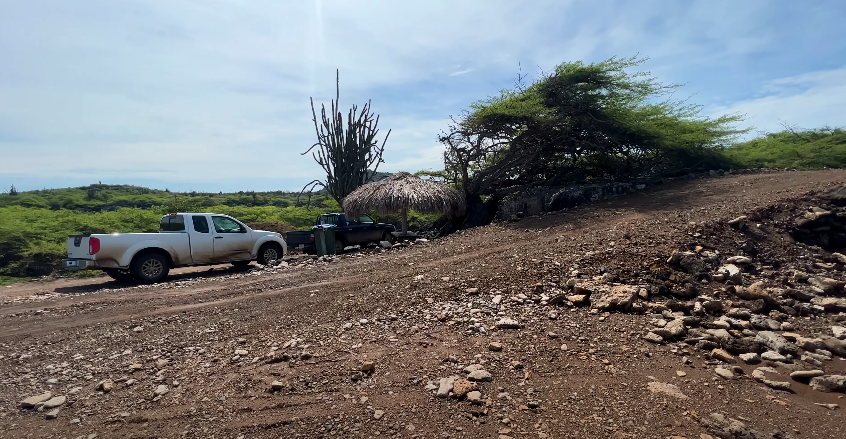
x,y
808,149
35,225
582,122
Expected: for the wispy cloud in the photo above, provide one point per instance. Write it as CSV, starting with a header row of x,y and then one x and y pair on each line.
x,y
213,94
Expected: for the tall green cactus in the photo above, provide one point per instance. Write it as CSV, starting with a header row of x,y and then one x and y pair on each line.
x,y
350,155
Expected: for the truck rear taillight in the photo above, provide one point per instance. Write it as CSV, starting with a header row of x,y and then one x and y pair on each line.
x,y
93,245
312,238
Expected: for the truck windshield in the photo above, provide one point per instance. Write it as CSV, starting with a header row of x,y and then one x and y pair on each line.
x,y
172,223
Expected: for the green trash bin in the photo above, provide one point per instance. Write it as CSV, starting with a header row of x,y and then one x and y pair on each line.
x,y
324,239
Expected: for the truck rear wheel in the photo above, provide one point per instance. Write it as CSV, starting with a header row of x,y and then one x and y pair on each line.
x,y
120,275
269,253
149,267
339,246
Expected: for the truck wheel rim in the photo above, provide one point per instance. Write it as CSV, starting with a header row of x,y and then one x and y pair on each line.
x,y
151,268
270,255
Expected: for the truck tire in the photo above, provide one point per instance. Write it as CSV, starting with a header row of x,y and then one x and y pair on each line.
x,y
268,253
388,236
149,267
339,246
120,275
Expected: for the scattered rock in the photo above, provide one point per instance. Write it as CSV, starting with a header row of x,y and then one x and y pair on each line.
x,y
54,402
804,375
161,390
618,297
759,375
480,375
378,414
242,352
474,397
724,373
495,346
777,343
667,389
723,356
773,356
462,387
750,358
52,414
653,338
507,323
105,386
829,383
445,386
277,386
839,332
367,366
673,329
32,401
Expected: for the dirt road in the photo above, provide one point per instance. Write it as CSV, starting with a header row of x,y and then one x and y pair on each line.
x,y
288,352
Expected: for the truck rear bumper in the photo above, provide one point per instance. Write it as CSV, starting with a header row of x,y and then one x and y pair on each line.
x,y
80,264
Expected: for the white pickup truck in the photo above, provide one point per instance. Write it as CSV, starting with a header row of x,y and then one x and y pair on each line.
x,y
184,239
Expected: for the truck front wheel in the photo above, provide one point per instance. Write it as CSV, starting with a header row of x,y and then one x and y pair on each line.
x,y
149,267
269,253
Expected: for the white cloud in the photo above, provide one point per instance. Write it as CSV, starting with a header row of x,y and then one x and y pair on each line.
x,y
809,100
215,92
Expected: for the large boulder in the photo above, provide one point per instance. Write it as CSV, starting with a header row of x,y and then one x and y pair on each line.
x,y
829,383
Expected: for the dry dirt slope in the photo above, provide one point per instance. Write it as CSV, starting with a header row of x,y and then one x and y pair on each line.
x,y
359,346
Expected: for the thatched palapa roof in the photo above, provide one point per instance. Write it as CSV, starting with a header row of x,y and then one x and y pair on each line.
x,y
404,191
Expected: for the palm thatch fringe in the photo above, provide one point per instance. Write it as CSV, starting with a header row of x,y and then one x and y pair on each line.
x,y
403,191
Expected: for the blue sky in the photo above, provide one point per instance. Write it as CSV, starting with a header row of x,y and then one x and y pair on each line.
x,y
213,95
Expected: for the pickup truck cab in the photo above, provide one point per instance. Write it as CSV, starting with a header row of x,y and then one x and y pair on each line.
x,y
184,239
359,231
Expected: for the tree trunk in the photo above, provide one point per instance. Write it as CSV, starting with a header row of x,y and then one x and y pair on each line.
x,y
477,213
404,222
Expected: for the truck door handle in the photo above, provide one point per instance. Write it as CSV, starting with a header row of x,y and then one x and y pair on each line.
x,y
218,237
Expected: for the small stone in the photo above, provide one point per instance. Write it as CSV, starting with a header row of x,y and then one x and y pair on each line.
x,y
804,375
723,356
239,352
445,386
54,402
52,414
138,329
474,397
653,338
681,373
829,383
578,299
534,405
161,363
105,386
724,373
839,332
52,381
462,387
161,390
667,389
277,386
507,323
552,335
480,375
495,346
32,401
564,347
378,414
773,356
750,358
368,366
828,406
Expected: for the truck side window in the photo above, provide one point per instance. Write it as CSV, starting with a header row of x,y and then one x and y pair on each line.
x,y
172,223
364,219
223,224
201,224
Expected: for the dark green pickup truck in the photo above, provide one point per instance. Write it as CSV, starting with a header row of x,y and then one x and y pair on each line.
x,y
361,231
